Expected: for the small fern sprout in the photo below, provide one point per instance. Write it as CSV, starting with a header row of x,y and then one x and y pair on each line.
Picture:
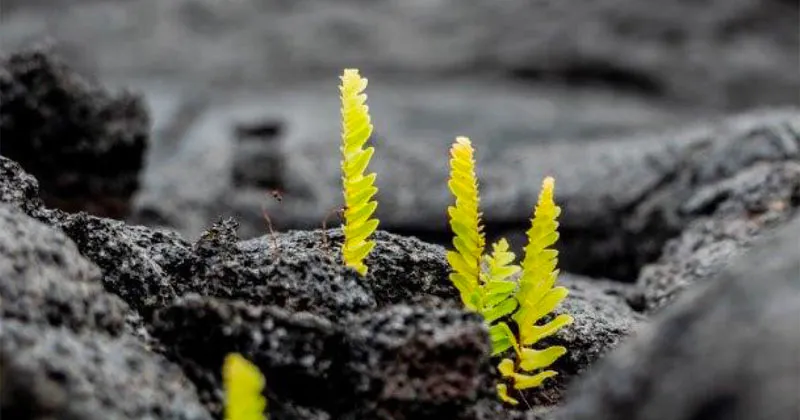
x,y
243,384
358,187
497,299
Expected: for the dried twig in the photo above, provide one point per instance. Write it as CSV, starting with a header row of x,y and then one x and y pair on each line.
x,y
338,212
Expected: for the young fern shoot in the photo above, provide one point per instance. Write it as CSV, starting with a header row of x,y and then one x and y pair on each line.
x,y
243,384
486,283
358,188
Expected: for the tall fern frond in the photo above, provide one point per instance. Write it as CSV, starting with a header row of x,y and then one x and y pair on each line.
x,y
537,298
465,220
358,188
243,384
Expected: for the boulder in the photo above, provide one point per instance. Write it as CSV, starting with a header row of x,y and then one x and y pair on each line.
x,y
726,350
52,372
84,146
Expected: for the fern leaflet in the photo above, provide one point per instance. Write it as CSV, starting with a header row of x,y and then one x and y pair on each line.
x,y
243,384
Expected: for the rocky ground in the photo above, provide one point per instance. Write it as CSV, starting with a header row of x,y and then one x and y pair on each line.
x,y
134,254
103,318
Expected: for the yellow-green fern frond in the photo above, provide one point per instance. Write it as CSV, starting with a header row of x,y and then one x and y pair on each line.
x,y
243,384
358,188
538,297
465,220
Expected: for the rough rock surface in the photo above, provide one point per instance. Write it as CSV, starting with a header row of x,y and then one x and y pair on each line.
x,y
728,350
603,318
18,188
738,210
46,281
85,147
70,349
395,343
51,372
401,362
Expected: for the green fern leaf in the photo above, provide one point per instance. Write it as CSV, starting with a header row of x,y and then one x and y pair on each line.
x,y
358,188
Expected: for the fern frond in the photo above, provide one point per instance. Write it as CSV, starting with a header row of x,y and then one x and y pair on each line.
x,y
243,384
465,220
358,188
538,297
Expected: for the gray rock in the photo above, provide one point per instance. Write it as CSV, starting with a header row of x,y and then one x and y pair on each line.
x,y
608,228
18,188
46,281
301,272
603,318
366,346
84,146
739,210
727,351
399,362
401,269
296,273
55,373
408,362
127,256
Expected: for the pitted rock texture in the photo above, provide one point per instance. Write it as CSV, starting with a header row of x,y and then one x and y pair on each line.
x,y
52,372
17,187
400,362
46,281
